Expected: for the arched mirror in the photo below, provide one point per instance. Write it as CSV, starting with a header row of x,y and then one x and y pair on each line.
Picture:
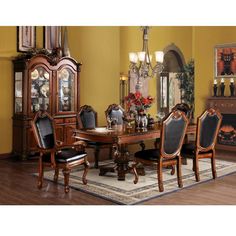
x,y
168,86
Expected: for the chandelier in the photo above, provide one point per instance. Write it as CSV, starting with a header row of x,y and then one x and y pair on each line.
x,y
140,63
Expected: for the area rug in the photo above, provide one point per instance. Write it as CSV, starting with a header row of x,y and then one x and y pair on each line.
x,y
127,193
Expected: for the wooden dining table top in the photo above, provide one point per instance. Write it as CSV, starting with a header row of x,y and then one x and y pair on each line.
x,y
122,135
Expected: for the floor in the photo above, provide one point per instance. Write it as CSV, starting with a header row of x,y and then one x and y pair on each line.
x,y
18,186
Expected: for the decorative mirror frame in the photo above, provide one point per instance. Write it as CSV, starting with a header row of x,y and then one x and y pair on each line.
x,y
26,38
52,37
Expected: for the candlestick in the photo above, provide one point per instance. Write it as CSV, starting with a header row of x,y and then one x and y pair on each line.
x,y
215,87
222,89
232,88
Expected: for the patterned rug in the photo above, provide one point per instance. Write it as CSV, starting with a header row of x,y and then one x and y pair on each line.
x,y
127,193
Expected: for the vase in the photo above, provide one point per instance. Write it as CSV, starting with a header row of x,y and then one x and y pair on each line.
x,y
141,121
66,51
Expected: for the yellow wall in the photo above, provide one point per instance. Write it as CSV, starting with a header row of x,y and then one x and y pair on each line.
x,y
98,49
7,49
159,38
204,41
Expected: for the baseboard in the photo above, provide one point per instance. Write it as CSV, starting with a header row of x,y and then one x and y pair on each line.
x,y
5,155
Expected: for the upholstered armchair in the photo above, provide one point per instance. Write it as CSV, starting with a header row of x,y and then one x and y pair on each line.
x,y
53,153
208,125
173,130
87,119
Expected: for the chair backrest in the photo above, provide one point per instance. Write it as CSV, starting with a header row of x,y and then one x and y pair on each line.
x,y
173,131
43,129
184,107
87,117
115,111
208,125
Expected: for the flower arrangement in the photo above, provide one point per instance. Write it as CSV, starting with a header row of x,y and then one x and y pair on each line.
x,y
137,103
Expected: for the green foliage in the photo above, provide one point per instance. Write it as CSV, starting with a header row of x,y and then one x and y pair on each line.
x,y
186,78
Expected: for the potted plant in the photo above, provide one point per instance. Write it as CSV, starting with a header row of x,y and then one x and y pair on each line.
x,y
186,79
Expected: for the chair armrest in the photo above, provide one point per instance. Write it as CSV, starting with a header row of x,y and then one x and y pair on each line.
x,y
59,143
52,152
79,145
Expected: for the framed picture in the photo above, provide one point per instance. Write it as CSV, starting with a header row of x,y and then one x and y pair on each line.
x,y
52,37
26,38
225,60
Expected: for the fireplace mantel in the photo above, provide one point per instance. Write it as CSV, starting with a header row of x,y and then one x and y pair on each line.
x,y
227,107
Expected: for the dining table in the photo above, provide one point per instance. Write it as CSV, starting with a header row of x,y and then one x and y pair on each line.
x,y
120,137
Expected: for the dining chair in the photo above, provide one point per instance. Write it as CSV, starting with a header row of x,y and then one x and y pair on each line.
x,y
173,130
116,113
184,107
208,125
87,119
53,153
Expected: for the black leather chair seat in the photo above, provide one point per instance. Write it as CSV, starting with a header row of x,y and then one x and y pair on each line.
x,y
149,154
189,148
65,156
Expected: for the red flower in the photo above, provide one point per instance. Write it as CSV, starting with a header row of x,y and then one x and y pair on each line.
x,y
137,95
138,101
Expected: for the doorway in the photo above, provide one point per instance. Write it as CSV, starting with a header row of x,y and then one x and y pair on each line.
x,y
168,86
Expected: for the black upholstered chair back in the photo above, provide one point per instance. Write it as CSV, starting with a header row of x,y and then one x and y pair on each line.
x,y
172,133
182,107
44,130
208,128
87,117
116,111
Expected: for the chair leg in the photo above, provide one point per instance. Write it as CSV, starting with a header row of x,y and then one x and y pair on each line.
x,y
40,178
96,155
159,176
110,152
66,173
135,172
56,174
179,173
172,170
213,166
196,165
86,167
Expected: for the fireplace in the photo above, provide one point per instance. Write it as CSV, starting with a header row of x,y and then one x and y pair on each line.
x,y
227,132
226,139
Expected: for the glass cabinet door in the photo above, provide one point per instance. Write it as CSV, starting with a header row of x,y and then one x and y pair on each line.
x,y
18,92
40,90
66,90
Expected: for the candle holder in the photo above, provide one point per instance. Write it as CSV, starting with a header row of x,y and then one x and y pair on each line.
x,y
215,88
232,89
222,89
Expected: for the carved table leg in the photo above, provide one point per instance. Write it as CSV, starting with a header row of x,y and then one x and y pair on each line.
x,y
121,155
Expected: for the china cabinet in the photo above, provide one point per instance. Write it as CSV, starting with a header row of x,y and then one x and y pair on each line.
x,y
44,83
